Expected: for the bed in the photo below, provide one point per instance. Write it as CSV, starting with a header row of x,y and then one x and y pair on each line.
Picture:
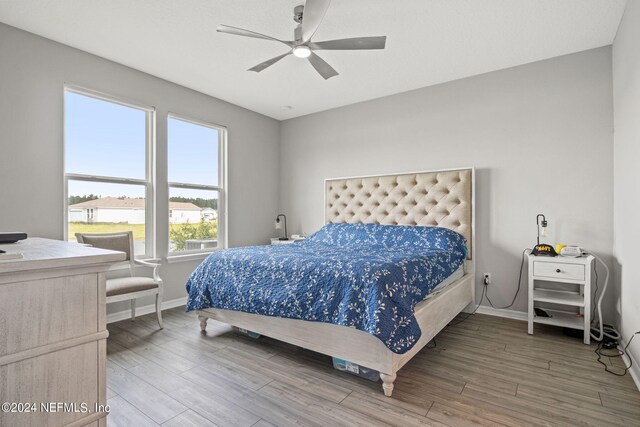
x,y
421,204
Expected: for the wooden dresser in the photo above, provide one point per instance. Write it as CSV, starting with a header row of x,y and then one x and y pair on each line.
x,y
53,334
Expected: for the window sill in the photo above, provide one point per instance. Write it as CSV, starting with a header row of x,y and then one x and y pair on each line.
x,y
197,256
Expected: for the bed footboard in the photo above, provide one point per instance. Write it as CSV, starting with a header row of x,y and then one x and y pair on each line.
x,y
348,343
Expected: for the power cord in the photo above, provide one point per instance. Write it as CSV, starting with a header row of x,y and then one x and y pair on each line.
x,y
485,294
610,332
595,293
517,290
619,353
607,335
473,312
605,330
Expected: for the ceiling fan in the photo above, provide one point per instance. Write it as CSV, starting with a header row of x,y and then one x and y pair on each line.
x,y
309,17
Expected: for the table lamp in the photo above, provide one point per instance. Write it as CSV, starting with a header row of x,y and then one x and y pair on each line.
x,y
279,226
542,248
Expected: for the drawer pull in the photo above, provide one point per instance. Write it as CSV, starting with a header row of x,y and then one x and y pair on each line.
x,y
557,270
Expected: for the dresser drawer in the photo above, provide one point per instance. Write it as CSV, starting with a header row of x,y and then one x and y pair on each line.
x,y
558,270
34,313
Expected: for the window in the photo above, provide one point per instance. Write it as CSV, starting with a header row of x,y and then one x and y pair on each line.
x,y
196,174
108,187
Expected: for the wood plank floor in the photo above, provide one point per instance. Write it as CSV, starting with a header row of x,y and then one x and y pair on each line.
x,y
482,371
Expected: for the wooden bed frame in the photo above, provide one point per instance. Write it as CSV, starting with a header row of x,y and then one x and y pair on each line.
x,y
431,194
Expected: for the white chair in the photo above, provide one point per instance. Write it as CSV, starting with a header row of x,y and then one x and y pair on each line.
x,y
132,287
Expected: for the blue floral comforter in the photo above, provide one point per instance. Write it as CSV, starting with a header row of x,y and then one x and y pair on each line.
x,y
366,276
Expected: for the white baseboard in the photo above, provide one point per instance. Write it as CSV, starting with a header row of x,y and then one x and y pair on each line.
x,y
635,368
146,309
500,312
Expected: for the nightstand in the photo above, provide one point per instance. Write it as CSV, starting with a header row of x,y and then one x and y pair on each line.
x,y
567,272
277,241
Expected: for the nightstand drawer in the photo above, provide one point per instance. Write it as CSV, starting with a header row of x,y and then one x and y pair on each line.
x,y
558,270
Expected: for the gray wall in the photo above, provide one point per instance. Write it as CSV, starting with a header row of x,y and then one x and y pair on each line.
x,y
33,71
626,179
522,128
540,136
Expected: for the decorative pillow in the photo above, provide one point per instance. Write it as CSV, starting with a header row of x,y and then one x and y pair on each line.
x,y
389,236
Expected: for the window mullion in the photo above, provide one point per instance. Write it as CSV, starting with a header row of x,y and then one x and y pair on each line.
x,y
107,179
194,186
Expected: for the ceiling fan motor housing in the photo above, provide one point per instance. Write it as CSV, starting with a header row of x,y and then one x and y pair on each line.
x,y
297,16
297,13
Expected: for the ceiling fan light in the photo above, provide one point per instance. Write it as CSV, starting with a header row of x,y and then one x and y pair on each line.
x,y
301,51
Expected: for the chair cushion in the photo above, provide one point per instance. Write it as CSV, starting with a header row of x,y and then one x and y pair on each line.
x,y
127,285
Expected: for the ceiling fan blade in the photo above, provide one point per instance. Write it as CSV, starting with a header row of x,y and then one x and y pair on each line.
x,y
268,63
357,43
314,11
321,66
246,33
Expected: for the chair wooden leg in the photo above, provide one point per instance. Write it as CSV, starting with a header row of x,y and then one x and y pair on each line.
x,y
159,309
133,309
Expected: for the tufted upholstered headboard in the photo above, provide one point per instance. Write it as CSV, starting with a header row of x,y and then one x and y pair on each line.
x,y
440,198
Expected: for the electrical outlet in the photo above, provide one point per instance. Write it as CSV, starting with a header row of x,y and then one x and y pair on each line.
x,y
486,278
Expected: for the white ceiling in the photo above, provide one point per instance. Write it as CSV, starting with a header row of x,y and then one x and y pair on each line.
x,y
428,42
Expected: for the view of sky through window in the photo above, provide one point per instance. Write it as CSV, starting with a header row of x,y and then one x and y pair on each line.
x,y
193,153
103,138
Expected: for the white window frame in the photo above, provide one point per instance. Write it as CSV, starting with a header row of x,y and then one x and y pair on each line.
x,y
221,188
148,182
